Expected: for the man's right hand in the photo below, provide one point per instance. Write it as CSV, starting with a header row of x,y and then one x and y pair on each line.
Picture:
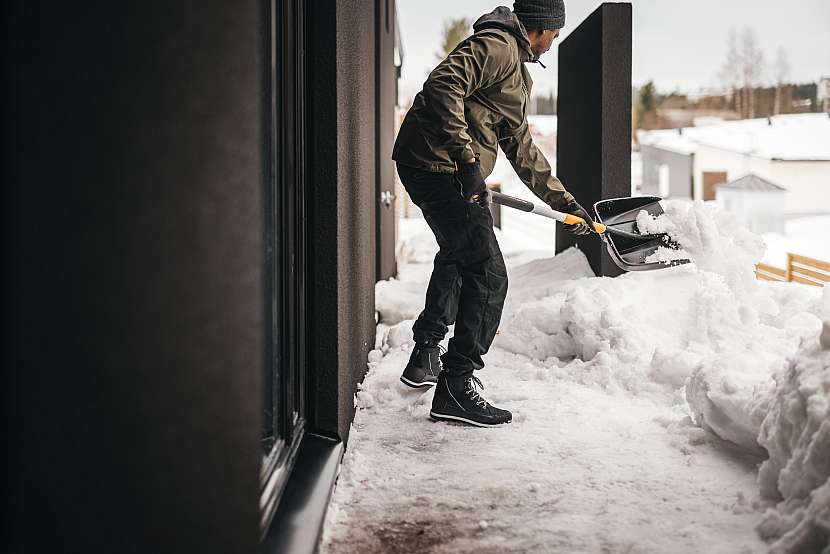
x,y
472,183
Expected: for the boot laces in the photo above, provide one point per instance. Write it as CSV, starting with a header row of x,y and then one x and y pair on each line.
x,y
473,384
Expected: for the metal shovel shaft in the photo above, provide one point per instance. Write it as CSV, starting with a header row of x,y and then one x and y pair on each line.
x,y
545,211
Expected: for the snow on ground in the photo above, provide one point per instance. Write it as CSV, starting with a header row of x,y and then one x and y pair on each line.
x,y
806,236
796,433
622,392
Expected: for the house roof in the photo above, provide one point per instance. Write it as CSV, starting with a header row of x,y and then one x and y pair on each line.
x,y
794,137
752,182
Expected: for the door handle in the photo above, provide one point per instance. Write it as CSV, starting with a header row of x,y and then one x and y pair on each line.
x,y
386,198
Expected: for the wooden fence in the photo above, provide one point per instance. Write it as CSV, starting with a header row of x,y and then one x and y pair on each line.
x,y
800,269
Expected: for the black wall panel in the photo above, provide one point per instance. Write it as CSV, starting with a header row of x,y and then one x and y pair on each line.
x,y
594,119
133,289
342,163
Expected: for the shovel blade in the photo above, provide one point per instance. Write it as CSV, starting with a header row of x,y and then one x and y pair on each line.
x,y
630,253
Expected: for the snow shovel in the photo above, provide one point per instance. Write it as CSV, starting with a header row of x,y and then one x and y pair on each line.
x,y
616,223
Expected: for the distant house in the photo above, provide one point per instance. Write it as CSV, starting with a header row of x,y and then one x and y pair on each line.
x,y
755,202
790,150
668,163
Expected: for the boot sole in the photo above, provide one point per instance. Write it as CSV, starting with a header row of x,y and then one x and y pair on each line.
x,y
444,417
415,385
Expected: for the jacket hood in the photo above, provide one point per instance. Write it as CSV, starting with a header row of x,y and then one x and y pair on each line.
x,y
503,18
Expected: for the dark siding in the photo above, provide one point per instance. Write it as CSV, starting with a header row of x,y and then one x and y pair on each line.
x,y
343,166
356,212
324,198
134,285
594,126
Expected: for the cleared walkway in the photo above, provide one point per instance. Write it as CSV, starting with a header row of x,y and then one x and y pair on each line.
x,y
581,469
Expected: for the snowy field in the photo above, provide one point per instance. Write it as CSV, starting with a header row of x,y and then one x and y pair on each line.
x,y
681,410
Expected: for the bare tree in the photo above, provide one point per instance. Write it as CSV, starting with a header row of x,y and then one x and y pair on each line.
x,y
742,70
455,30
730,71
782,70
752,68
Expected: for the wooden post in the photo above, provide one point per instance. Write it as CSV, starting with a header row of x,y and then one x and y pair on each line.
x,y
386,88
789,267
495,209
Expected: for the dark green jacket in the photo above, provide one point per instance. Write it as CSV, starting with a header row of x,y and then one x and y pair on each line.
x,y
475,101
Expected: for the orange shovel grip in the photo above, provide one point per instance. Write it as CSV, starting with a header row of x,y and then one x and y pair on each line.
x,y
575,220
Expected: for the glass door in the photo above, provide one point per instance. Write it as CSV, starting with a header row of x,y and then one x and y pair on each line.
x,y
285,239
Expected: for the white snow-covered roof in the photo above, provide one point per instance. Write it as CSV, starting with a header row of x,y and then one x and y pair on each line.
x,y
753,183
670,139
794,137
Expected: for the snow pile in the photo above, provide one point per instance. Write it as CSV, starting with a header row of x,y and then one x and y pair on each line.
x,y
708,329
711,238
396,301
796,433
746,332
658,332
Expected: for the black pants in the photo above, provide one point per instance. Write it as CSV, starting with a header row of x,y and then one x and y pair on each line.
x,y
469,280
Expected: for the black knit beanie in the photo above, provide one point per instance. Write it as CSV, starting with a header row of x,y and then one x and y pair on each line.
x,y
540,14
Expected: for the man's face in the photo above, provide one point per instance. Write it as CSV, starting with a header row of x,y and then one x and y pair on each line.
x,y
542,41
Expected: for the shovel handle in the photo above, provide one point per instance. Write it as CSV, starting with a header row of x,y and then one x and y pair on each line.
x,y
545,211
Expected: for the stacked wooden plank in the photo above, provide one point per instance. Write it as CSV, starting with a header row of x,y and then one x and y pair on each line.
x,y
800,269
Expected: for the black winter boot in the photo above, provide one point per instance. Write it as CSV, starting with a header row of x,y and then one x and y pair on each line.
x,y
457,399
423,367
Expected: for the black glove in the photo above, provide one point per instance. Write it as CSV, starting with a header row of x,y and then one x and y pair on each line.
x,y
574,208
473,188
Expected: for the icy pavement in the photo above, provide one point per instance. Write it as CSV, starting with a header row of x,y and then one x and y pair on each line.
x,y
602,455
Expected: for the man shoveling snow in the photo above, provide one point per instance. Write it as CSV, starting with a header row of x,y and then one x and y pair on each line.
x,y
472,102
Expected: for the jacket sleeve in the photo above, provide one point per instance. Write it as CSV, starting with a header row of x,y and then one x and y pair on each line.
x,y
532,167
479,62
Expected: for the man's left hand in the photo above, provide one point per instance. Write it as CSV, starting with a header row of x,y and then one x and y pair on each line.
x,y
574,208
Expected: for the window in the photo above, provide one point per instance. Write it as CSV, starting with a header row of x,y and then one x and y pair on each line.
x,y
284,372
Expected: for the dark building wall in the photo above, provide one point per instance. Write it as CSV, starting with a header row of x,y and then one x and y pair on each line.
x,y
594,126
343,166
681,168
357,150
133,294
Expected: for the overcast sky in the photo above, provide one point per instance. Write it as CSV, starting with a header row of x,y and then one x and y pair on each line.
x,y
680,44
